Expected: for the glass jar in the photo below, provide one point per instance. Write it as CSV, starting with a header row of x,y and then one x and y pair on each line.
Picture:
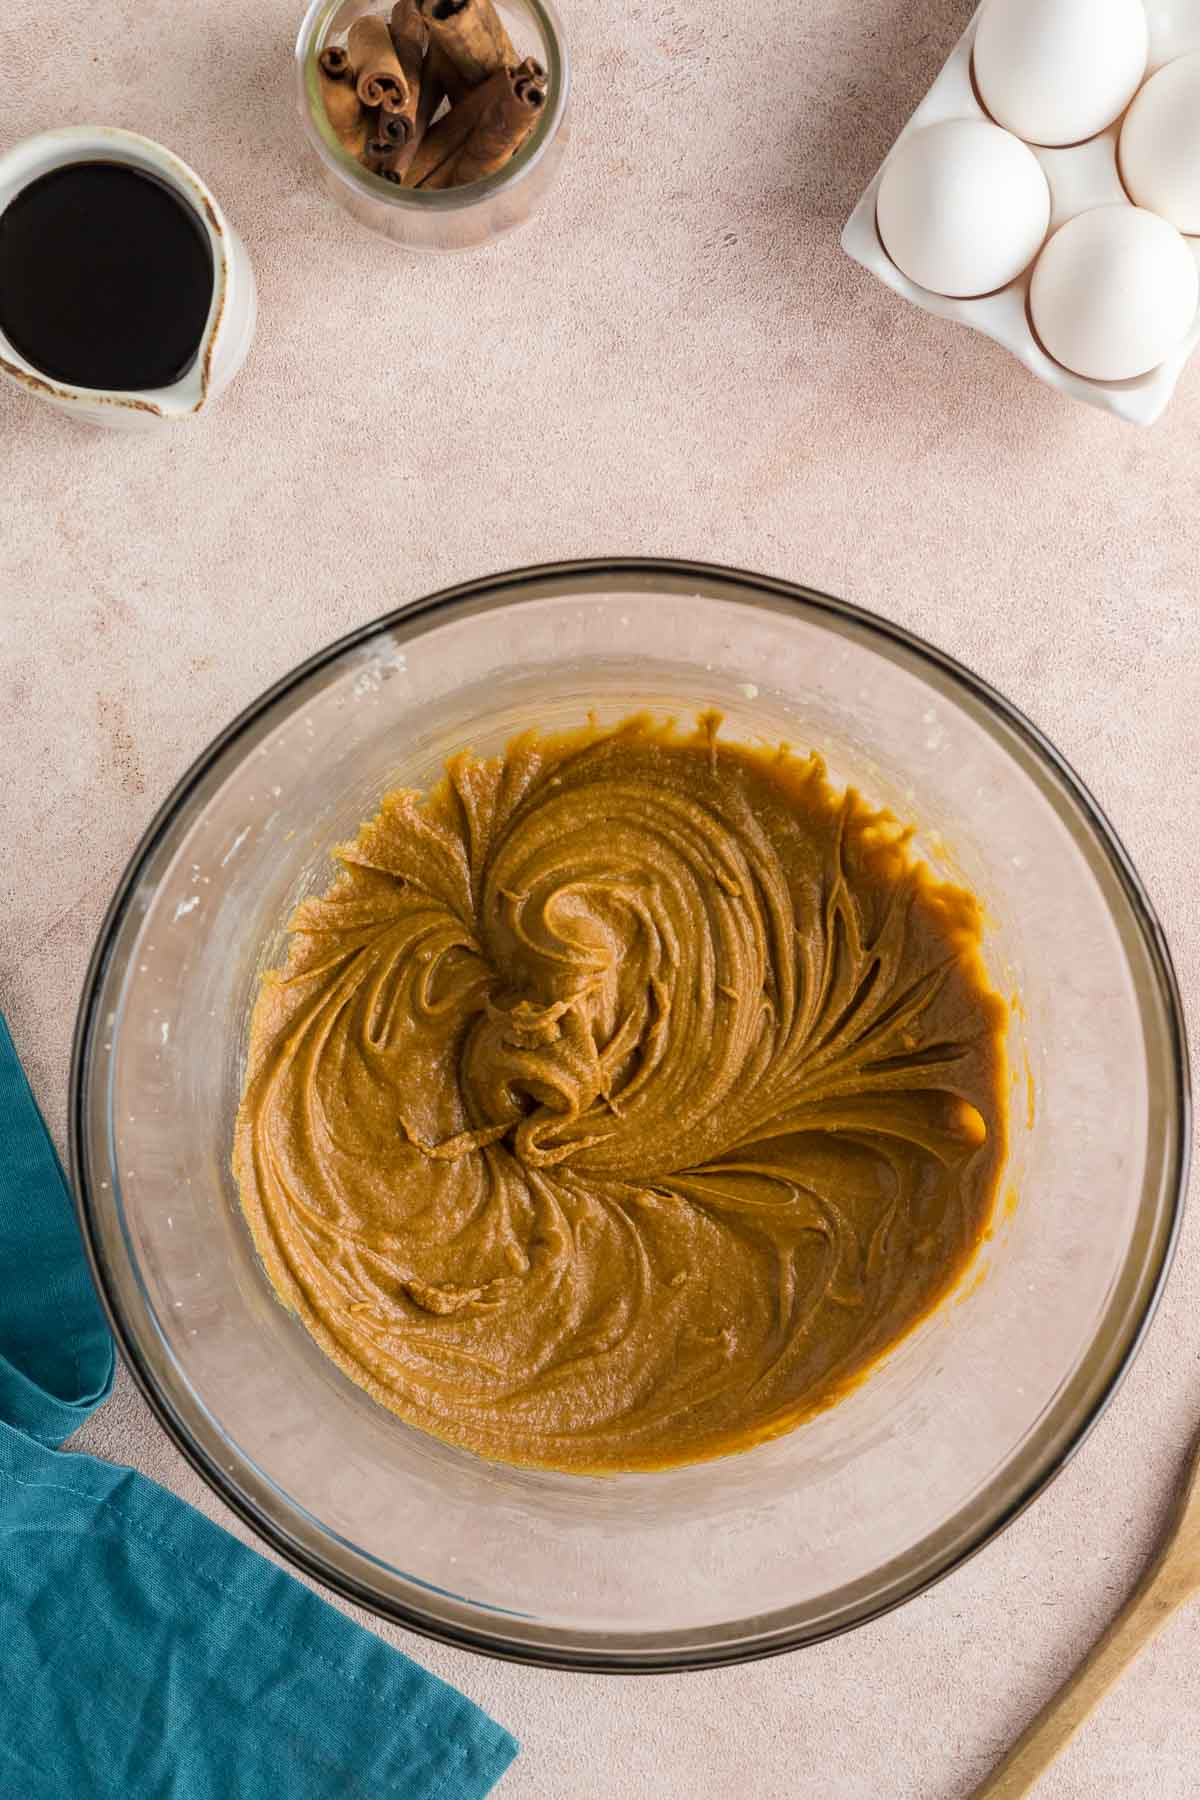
x,y
449,218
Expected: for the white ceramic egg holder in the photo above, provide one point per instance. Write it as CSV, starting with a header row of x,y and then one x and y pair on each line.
x,y
1080,177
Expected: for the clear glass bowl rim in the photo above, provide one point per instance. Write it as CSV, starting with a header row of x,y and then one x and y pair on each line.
x,y
1057,1435
438,200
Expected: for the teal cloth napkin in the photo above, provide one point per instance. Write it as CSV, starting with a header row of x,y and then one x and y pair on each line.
x,y
145,1653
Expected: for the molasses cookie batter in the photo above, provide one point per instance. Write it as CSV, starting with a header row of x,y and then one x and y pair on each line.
x,y
623,1100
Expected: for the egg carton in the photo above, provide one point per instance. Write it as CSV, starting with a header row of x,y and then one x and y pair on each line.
x,y
1080,177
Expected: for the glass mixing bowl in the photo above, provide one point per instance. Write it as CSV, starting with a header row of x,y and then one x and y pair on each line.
x,y
857,1509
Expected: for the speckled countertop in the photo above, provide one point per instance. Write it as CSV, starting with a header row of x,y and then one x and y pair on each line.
x,y
674,359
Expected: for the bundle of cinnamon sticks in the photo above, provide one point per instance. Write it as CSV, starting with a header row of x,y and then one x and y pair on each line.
x,y
433,96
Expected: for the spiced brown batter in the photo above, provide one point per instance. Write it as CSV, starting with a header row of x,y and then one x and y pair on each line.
x,y
623,1100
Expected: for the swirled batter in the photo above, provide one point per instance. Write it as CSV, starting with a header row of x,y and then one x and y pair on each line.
x,y
623,1100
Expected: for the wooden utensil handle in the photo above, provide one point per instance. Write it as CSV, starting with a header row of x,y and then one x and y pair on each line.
x,y
1144,1614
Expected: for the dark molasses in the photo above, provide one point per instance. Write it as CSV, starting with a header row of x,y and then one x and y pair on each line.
x,y
106,277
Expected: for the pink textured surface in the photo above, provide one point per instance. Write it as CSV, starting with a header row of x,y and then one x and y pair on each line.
x,y
675,358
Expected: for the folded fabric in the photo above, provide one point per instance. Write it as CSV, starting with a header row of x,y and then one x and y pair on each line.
x,y
147,1653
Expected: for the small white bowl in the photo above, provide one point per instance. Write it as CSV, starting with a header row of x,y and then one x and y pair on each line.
x,y
229,330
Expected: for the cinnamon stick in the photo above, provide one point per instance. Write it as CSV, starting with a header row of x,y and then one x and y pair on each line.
x,y
433,92
409,37
379,156
497,133
454,84
393,129
388,143
377,68
472,36
335,61
343,108
447,135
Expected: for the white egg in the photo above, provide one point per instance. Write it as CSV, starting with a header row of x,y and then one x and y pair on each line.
x,y
1114,292
1160,144
962,207
1174,29
1059,71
